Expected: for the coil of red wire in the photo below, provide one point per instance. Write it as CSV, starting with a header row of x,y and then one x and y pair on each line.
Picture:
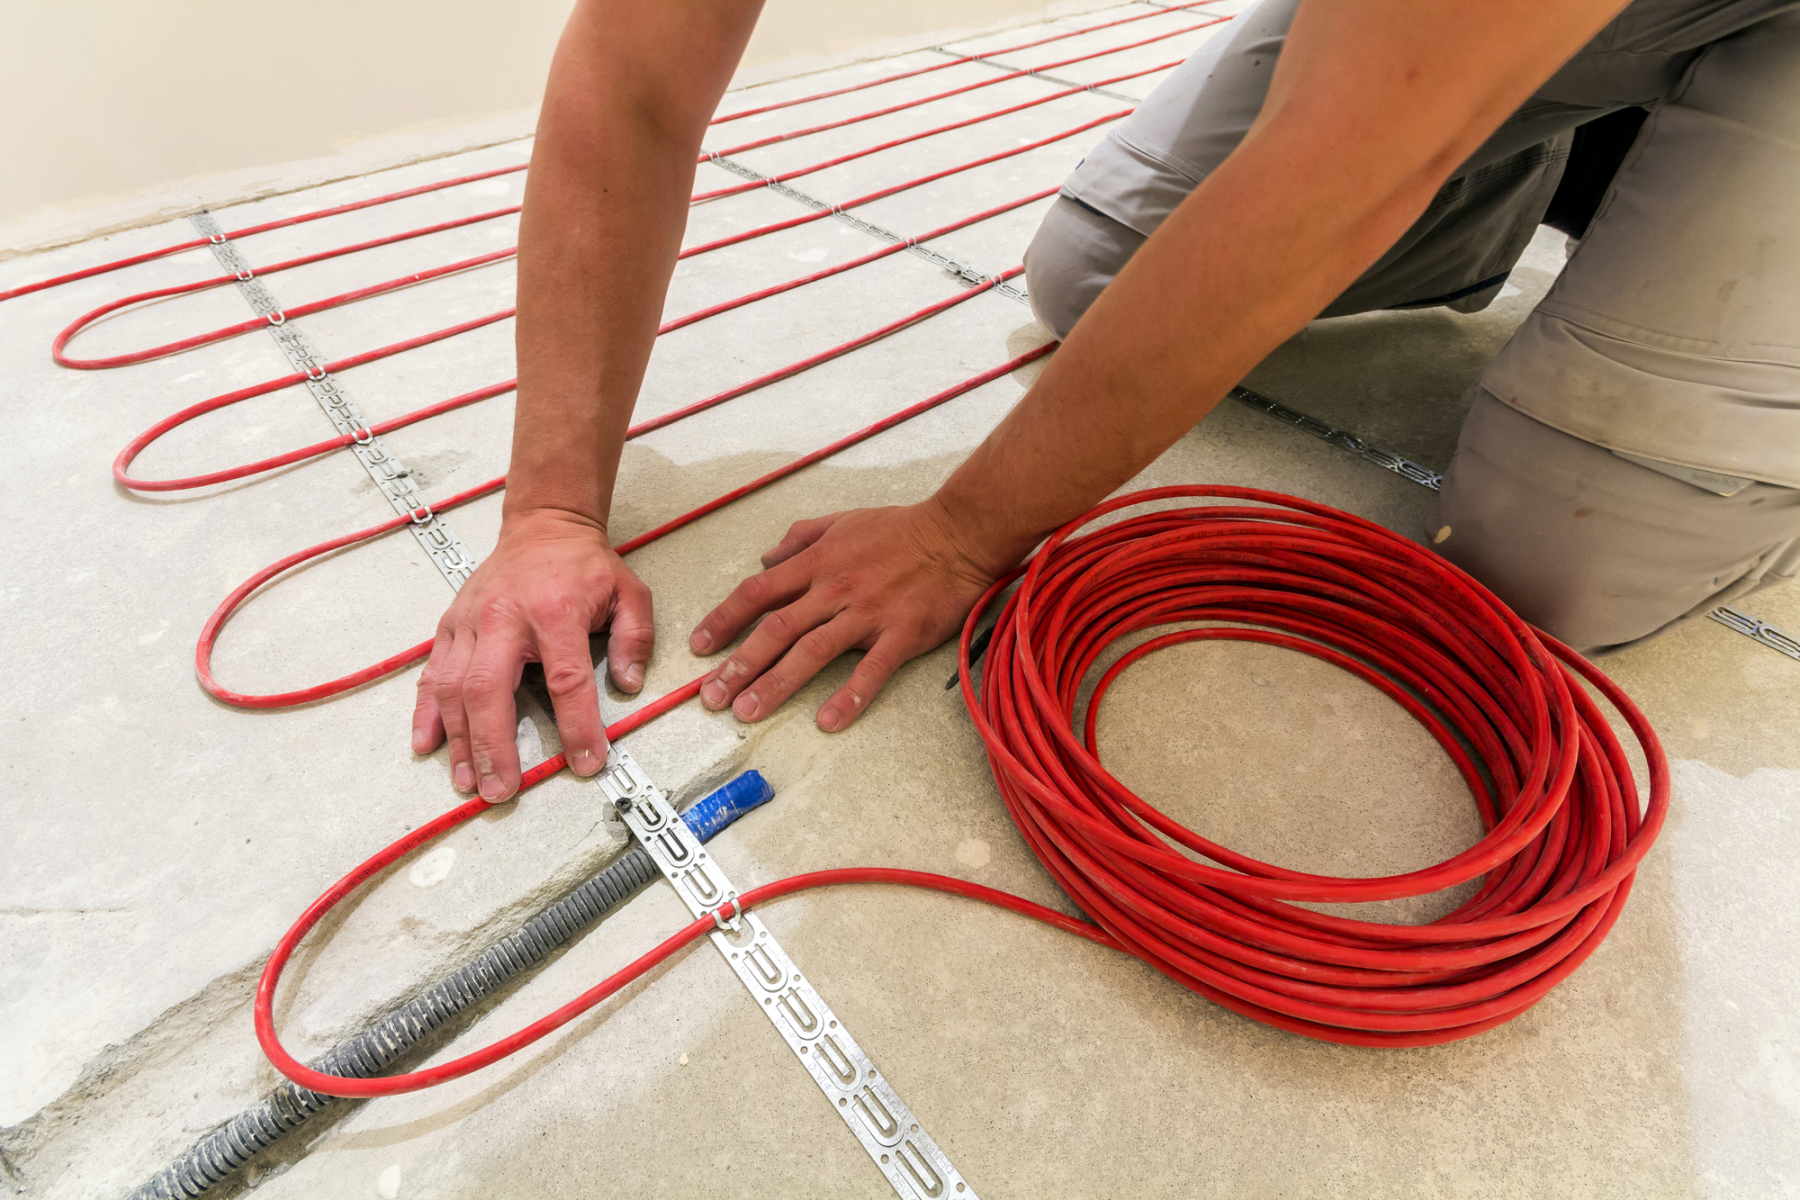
x,y
1565,830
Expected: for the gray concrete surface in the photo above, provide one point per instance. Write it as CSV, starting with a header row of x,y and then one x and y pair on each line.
x,y
158,843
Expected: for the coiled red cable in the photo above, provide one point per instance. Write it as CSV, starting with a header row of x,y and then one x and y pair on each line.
x,y
1565,827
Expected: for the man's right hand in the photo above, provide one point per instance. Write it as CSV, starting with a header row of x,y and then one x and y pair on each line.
x,y
551,581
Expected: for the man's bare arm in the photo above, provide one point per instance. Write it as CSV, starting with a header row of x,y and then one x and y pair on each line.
x,y
1372,106
630,92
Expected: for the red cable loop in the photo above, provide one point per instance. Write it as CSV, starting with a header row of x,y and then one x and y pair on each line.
x,y
122,463
203,339
209,632
248,230
1565,828
221,280
75,327
390,197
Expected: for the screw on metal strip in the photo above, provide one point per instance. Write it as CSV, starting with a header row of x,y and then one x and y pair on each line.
x,y
907,1157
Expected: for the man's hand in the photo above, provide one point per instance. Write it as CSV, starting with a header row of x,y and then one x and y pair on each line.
x,y
895,582
630,92
551,581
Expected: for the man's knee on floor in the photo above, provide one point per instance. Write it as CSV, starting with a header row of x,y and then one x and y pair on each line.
x,y
1595,550
1074,255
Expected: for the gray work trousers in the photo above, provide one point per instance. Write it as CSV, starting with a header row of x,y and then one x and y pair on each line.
x,y
1661,372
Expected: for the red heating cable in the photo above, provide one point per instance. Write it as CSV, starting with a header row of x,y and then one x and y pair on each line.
x,y
1007,77
79,324
422,189
122,463
958,61
1565,828
209,633
249,230
796,172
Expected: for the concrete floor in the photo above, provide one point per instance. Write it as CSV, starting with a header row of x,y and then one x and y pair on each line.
x,y
159,843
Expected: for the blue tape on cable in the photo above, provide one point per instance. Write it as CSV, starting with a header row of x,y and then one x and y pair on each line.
x,y
714,812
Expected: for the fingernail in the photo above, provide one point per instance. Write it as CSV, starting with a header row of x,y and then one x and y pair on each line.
x,y
746,706
700,641
584,762
712,694
829,720
463,777
491,787
634,677
419,743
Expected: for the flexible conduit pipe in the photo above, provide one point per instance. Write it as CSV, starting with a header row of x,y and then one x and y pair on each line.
x,y
289,1106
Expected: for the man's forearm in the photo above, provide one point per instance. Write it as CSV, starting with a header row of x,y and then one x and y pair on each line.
x,y
605,207
1373,104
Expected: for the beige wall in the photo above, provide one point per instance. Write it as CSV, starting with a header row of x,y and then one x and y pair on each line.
x,y
102,98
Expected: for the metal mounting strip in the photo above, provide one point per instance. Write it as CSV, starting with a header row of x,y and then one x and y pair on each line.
x,y
1385,459
900,1148
961,270
448,553
1059,82
1756,630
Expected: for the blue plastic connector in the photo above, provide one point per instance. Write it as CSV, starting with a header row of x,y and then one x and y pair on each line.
x,y
714,812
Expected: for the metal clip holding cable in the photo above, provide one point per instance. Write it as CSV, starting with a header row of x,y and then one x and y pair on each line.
x,y
736,924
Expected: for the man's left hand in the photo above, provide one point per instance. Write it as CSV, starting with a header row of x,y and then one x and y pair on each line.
x,y
894,582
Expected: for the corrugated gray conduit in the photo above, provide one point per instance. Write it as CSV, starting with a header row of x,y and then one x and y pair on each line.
x,y
367,1054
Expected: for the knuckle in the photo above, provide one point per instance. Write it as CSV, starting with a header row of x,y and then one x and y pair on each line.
x,y
818,644
780,625
753,590
567,679
446,687
496,615
481,682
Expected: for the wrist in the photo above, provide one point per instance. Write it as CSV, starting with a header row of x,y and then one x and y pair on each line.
x,y
530,520
972,533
